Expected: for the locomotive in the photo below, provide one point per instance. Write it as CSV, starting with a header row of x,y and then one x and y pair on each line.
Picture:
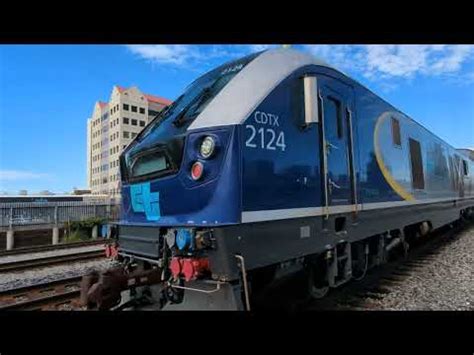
x,y
269,165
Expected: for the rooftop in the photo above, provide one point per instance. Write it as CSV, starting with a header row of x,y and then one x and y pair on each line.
x,y
152,98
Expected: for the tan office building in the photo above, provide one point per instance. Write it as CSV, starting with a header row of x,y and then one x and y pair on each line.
x,y
111,128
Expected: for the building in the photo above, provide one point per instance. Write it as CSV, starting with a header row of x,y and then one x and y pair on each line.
x,y
81,192
111,128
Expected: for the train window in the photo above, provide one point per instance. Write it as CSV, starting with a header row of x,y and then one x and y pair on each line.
x,y
147,164
333,109
464,166
397,139
436,156
453,173
297,101
418,178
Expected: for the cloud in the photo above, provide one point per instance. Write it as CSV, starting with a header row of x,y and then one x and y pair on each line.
x,y
376,63
165,54
341,56
453,58
13,175
194,57
186,56
260,47
395,61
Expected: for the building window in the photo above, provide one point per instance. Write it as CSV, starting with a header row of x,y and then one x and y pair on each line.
x,y
134,122
152,113
142,123
142,110
126,120
125,107
126,134
124,146
396,136
417,176
134,135
134,108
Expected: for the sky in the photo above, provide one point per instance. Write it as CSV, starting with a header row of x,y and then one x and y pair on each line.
x,y
47,93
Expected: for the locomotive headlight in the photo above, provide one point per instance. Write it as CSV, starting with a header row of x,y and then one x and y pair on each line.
x,y
207,147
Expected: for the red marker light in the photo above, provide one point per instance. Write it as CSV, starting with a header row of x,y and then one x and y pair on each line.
x,y
197,170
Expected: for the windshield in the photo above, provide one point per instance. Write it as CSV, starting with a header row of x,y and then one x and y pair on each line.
x,y
198,95
171,124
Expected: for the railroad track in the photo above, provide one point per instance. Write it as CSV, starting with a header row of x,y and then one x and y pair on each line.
x,y
42,248
383,279
20,265
379,281
60,294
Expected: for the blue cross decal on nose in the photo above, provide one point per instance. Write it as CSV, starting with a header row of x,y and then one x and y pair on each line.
x,y
143,200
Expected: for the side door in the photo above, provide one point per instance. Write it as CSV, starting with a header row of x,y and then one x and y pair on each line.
x,y
337,104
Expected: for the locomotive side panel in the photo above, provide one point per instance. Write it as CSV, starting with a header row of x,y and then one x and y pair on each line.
x,y
280,158
403,161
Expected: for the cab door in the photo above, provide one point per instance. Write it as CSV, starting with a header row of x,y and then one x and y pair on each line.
x,y
336,102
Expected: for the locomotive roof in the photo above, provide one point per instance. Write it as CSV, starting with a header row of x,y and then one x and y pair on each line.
x,y
250,86
241,95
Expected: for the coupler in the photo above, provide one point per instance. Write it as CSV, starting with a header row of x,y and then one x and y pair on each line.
x,y
102,291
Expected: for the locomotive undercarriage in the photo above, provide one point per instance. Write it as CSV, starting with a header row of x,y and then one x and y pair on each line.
x,y
236,282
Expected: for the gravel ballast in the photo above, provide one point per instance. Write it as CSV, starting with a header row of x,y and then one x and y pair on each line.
x,y
12,280
443,281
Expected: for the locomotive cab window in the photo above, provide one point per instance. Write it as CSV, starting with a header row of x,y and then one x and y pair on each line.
x,y
418,178
332,111
396,136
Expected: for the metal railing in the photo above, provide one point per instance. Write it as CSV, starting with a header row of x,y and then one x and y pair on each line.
x,y
38,213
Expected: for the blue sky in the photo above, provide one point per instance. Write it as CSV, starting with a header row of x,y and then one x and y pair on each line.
x,y
47,92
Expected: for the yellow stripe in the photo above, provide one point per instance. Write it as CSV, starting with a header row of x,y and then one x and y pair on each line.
x,y
378,156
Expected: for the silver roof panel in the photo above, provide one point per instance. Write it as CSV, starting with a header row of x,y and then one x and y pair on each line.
x,y
248,88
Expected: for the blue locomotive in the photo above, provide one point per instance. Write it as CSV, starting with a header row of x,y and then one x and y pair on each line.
x,y
270,164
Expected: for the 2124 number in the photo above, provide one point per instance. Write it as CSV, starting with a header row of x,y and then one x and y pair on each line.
x,y
265,138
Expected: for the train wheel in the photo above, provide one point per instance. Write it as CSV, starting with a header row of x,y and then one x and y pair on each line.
x,y
317,282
